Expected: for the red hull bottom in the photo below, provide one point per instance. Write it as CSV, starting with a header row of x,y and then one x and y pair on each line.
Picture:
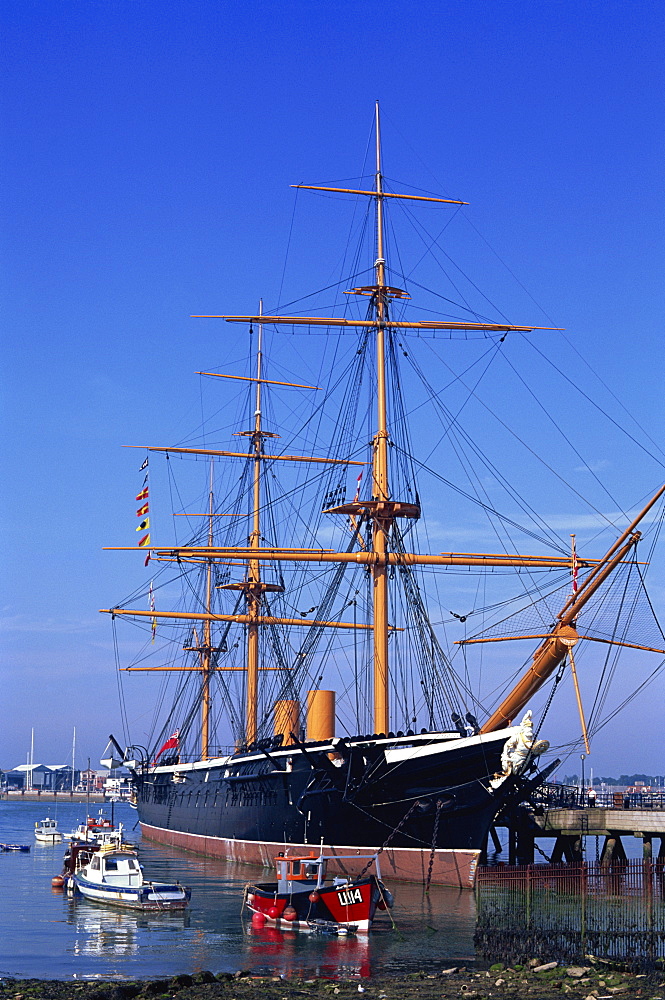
x,y
455,868
353,927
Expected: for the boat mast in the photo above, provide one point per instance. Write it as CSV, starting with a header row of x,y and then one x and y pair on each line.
x,y
207,637
253,591
381,524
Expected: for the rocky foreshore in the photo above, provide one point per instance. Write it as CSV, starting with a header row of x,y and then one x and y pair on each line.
x,y
547,981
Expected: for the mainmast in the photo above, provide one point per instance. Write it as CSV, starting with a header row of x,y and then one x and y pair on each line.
x,y
380,482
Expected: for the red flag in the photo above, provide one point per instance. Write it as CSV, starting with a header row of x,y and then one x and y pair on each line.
x,y
143,510
173,741
357,487
143,495
144,541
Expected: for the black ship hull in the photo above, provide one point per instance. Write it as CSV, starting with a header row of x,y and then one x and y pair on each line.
x,y
427,801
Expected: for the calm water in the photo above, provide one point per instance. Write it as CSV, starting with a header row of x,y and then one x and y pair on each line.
x,y
44,934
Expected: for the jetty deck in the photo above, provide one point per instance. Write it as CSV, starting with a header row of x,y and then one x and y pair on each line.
x,y
561,813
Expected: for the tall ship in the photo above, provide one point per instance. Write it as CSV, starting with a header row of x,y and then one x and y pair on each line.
x,y
314,688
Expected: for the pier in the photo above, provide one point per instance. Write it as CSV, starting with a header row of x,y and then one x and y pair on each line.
x,y
38,795
563,814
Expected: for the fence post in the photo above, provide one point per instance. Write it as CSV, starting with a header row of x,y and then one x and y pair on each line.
x,y
647,893
583,907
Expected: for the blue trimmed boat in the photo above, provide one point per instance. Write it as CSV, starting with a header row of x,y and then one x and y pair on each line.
x,y
113,875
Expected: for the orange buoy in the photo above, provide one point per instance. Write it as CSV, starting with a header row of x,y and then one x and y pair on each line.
x,y
314,897
289,913
58,881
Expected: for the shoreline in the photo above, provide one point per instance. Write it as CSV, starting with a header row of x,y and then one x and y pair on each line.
x,y
94,798
597,981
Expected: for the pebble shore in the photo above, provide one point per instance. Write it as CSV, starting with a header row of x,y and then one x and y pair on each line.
x,y
548,981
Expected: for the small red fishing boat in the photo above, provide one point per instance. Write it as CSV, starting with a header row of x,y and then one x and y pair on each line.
x,y
303,898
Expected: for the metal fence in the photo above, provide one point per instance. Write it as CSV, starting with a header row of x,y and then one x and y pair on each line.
x,y
564,912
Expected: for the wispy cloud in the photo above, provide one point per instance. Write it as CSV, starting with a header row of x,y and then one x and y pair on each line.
x,y
595,466
53,626
593,522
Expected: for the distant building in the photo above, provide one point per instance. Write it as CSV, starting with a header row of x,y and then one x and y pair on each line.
x,y
91,781
41,777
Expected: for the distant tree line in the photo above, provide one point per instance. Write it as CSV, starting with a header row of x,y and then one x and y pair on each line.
x,y
655,780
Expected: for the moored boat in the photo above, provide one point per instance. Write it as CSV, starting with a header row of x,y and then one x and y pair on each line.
x,y
303,898
113,875
92,828
46,831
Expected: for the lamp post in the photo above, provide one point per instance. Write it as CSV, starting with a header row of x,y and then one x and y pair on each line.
x,y
582,791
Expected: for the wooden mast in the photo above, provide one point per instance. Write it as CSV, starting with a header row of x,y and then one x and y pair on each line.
x,y
380,485
553,651
207,636
254,568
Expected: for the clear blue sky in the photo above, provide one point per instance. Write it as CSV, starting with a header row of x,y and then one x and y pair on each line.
x,y
147,149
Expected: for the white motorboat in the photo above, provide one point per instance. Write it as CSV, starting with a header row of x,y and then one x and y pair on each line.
x,y
113,875
46,831
92,828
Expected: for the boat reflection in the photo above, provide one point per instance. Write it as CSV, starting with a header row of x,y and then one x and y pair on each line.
x,y
104,931
341,957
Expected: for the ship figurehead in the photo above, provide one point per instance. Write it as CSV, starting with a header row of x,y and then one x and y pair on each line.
x,y
521,748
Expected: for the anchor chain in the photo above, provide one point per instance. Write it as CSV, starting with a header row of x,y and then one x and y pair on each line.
x,y
390,837
439,804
